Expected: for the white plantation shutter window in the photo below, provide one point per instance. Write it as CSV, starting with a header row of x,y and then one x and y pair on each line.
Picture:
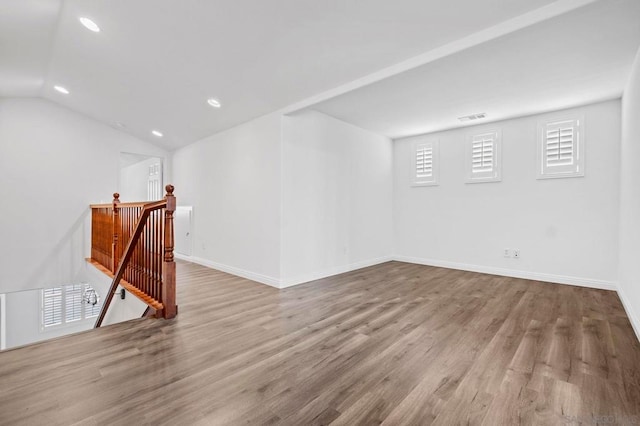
x,y
66,304
73,303
561,148
52,306
425,163
483,157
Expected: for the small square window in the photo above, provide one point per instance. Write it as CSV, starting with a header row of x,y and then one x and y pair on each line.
x,y
425,163
483,159
560,150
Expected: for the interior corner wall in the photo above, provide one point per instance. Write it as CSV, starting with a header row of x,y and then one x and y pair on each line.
x,y
630,198
232,180
337,197
53,164
566,229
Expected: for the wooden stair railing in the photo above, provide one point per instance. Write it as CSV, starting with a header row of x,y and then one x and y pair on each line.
x,y
133,243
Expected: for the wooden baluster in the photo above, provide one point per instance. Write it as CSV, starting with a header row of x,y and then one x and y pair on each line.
x,y
147,257
158,253
139,280
115,250
138,262
94,232
169,266
150,255
130,267
154,256
159,248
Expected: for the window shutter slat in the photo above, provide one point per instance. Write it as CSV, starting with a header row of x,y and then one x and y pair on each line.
x,y
52,306
559,152
73,303
482,154
424,163
559,146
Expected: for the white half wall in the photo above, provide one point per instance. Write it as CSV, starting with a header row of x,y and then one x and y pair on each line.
x,y
232,180
566,229
630,198
53,164
24,310
337,197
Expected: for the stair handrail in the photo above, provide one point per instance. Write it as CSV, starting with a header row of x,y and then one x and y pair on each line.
x,y
168,302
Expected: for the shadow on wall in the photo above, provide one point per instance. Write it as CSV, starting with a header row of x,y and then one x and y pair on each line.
x,y
65,262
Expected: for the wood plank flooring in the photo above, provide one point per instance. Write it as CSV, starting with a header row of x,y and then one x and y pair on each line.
x,y
392,344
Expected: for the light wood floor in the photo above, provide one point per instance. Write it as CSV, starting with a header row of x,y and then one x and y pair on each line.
x,y
393,344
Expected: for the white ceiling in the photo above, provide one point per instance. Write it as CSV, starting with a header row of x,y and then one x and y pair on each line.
x,y
26,35
155,62
572,59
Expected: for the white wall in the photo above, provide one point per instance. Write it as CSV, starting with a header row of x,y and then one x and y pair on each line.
x,y
53,164
565,229
134,181
630,198
337,197
232,180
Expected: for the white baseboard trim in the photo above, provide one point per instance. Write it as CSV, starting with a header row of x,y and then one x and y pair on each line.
x,y
277,283
333,271
631,314
253,276
536,276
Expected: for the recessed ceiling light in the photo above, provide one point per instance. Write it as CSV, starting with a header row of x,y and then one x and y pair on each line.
x,y
214,102
156,133
61,89
90,25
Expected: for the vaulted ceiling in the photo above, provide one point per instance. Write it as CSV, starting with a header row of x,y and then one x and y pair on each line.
x,y
573,59
154,63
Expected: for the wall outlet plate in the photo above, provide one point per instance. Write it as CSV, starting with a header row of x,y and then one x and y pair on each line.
x,y
506,253
516,254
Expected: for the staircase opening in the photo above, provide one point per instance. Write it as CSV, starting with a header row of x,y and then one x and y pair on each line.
x,y
133,244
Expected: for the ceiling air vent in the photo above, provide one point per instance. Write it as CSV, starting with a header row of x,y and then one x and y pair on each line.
x,y
472,117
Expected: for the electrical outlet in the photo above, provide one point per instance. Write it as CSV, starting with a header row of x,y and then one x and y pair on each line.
x,y
516,254
507,253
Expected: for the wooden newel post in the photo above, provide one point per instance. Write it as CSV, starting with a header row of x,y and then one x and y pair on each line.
x,y
169,266
116,250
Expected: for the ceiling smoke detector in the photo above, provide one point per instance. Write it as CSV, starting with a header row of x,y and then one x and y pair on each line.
x,y
473,117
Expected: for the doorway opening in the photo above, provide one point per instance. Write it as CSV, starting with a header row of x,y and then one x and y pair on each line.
x,y
141,177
